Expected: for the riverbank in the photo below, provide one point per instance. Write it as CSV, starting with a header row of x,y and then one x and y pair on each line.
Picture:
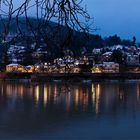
x,y
69,76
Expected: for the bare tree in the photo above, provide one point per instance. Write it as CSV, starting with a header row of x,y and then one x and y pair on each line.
x,y
68,13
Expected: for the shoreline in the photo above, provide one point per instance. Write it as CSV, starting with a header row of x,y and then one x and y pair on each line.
x,y
43,77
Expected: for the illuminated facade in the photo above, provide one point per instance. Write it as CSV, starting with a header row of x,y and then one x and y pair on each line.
x,y
15,68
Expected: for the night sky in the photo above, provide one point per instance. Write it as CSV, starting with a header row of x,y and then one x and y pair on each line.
x,y
120,17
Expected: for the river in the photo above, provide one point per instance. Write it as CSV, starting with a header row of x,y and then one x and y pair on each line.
x,y
70,111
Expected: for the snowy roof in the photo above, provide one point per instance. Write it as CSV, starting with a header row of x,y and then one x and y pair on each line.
x,y
29,66
97,48
60,59
108,62
107,53
118,46
14,64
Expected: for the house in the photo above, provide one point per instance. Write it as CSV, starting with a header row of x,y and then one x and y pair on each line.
x,y
110,67
30,69
38,54
106,56
106,67
96,51
15,68
132,59
97,69
17,53
117,47
84,60
59,61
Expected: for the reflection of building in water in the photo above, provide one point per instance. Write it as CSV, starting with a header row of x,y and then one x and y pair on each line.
x,y
138,92
76,97
80,98
93,94
37,95
97,98
55,94
68,101
121,93
45,95
85,99
14,90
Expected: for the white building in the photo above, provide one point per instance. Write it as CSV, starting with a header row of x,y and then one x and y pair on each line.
x,y
110,67
106,67
133,59
15,68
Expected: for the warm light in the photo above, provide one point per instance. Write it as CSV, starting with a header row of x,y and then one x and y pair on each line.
x,y
76,96
9,90
85,100
20,91
93,94
45,95
55,93
97,70
76,63
68,99
97,99
121,96
37,94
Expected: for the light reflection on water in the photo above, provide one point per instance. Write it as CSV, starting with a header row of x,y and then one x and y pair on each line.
x,y
35,108
79,97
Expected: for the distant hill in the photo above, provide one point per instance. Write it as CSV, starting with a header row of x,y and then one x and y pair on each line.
x,y
79,42
54,40
78,39
22,24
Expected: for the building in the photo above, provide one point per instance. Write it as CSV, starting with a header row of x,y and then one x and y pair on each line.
x,y
15,68
106,67
132,59
106,56
110,67
30,69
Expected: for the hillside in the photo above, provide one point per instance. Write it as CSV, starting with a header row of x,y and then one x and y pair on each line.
x,y
57,39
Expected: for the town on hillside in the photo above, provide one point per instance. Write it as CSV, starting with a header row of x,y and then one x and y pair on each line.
x,y
112,57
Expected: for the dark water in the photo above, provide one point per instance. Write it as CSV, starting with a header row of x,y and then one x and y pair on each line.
x,y
109,110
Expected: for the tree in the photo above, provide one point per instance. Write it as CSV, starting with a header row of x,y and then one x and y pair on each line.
x,y
63,12
117,57
112,40
127,42
134,40
68,13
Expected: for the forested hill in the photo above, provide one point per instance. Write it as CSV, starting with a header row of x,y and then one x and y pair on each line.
x,y
79,40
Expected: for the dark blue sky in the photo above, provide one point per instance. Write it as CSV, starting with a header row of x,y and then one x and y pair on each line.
x,y
120,17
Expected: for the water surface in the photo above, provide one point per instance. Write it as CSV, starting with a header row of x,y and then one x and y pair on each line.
x,y
61,111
